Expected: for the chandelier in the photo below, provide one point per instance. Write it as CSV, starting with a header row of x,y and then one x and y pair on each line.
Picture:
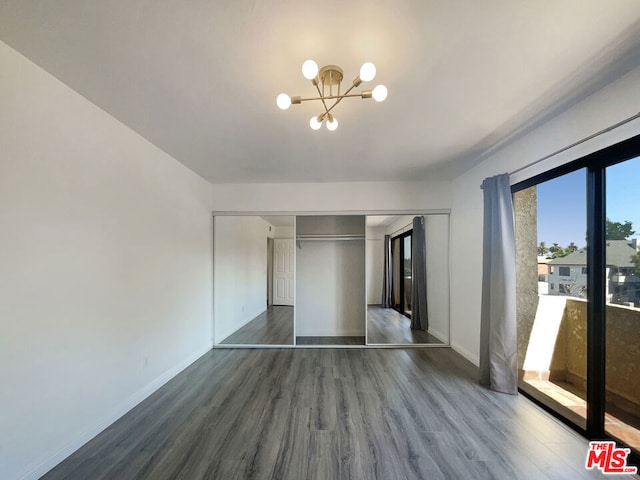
x,y
327,81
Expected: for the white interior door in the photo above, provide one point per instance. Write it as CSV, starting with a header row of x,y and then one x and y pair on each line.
x,y
283,268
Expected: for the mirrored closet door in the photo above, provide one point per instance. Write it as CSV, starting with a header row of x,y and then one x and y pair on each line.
x,y
254,279
407,265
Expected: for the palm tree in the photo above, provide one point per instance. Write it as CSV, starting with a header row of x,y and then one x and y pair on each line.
x,y
557,251
542,249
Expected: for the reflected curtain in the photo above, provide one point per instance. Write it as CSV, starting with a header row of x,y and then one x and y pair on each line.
x,y
386,274
419,315
498,341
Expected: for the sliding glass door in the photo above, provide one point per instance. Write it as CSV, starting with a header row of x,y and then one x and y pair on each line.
x,y
622,296
551,227
578,291
407,275
396,273
402,280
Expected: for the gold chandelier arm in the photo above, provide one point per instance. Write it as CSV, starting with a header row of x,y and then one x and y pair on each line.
x,y
326,110
340,97
332,97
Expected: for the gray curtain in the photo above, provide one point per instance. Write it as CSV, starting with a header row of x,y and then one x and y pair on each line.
x,y
419,315
386,274
498,342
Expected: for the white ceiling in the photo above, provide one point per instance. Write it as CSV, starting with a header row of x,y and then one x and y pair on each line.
x,y
199,78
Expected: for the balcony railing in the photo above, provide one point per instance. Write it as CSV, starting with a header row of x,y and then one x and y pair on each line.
x,y
556,356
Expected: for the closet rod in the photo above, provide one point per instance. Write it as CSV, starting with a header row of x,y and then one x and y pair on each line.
x,y
330,236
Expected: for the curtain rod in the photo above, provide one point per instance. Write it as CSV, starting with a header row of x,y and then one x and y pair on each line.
x,y
575,144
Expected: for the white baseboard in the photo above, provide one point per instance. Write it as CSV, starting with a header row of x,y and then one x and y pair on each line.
x,y
36,471
239,325
439,335
472,357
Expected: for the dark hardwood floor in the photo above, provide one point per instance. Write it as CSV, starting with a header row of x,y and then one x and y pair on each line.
x,y
331,414
272,327
330,341
387,326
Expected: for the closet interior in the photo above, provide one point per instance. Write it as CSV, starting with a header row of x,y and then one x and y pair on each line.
x,y
330,268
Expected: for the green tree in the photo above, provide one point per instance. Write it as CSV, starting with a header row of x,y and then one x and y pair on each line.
x,y
543,249
557,251
618,231
572,247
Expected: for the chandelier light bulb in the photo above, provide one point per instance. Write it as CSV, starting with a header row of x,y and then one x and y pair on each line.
x,y
379,93
332,124
310,69
283,101
367,72
314,123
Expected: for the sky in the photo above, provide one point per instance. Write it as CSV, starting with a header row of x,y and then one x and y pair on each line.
x,y
562,203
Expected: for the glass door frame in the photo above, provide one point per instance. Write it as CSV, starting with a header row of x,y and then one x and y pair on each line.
x,y
596,164
402,308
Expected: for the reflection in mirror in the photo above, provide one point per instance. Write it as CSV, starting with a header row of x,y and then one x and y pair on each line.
x,y
253,269
408,279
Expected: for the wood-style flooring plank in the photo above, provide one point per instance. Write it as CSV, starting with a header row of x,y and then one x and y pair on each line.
x,y
387,326
331,414
274,326
332,341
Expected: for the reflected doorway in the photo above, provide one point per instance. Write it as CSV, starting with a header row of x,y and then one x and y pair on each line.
x,y
401,277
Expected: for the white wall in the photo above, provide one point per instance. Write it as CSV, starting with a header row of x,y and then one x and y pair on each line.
x,y
332,197
330,288
240,272
105,269
283,232
374,264
606,107
437,255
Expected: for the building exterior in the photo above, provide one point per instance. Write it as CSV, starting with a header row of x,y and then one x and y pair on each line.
x,y
568,275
